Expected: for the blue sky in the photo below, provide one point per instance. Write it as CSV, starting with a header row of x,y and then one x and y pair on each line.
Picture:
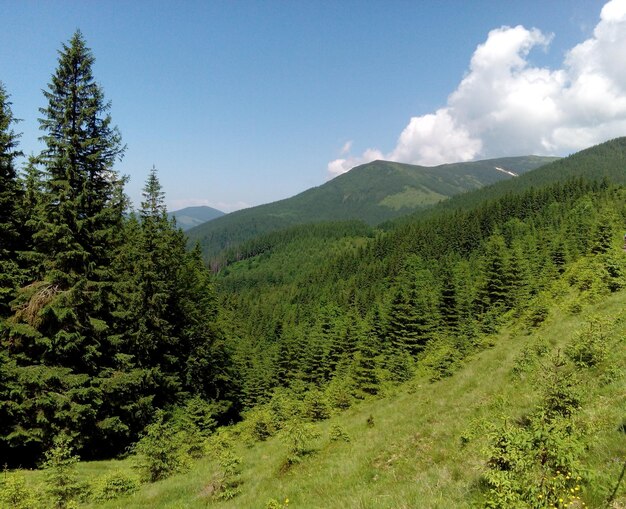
x,y
239,103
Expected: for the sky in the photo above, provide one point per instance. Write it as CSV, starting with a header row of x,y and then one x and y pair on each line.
x,y
239,103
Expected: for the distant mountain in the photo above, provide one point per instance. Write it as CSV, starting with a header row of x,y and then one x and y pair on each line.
x,y
193,216
603,161
373,192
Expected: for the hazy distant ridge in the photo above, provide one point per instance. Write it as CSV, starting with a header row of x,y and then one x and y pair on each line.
x,y
194,216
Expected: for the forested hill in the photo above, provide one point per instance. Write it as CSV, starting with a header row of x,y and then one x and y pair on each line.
x,y
193,216
373,193
604,161
307,283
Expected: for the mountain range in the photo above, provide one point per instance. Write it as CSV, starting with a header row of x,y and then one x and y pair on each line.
x,y
374,192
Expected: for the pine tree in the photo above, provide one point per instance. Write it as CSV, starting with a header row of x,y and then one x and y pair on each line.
x,y
414,315
10,196
59,336
495,285
365,364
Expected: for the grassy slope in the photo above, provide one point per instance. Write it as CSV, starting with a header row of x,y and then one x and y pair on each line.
x,y
412,456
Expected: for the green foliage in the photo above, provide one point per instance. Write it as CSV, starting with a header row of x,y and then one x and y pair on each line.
x,y
442,358
261,424
535,466
589,346
536,463
114,485
528,359
15,494
10,200
315,406
229,484
299,438
161,451
337,433
62,485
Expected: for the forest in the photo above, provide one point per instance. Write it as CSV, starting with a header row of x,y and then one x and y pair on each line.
x,y
120,346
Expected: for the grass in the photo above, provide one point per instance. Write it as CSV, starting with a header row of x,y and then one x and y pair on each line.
x,y
426,445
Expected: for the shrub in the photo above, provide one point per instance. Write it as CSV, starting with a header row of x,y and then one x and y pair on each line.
x,y
537,312
316,406
339,394
299,437
61,477
260,424
337,433
589,346
161,451
535,463
528,358
229,485
15,494
114,485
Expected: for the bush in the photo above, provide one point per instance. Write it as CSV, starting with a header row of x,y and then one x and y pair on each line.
x,y
161,451
299,437
537,312
589,346
337,433
339,394
61,477
229,485
114,485
15,494
536,464
260,424
316,407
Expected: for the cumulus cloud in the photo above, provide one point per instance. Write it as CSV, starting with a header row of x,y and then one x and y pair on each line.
x,y
506,106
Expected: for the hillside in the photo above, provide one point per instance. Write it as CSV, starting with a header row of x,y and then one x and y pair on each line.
x,y
372,193
604,161
190,217
473,358
430,442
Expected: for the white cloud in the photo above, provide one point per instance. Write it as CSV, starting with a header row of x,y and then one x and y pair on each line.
x,y
347,146
506,106
342,165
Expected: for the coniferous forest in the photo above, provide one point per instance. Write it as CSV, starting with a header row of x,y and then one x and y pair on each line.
x,y
106,317
377,348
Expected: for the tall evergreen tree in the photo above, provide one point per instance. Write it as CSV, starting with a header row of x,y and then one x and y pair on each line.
x,y
10,196
414,314
59,335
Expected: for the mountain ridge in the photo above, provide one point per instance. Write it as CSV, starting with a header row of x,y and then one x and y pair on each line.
x,y
190,217
373,192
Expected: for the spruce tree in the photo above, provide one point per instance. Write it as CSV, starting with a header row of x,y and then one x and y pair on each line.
x,y
414,314
365,377
59,335
10,196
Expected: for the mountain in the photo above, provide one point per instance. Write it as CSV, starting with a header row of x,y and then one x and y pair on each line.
x,y
194,216
373,192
